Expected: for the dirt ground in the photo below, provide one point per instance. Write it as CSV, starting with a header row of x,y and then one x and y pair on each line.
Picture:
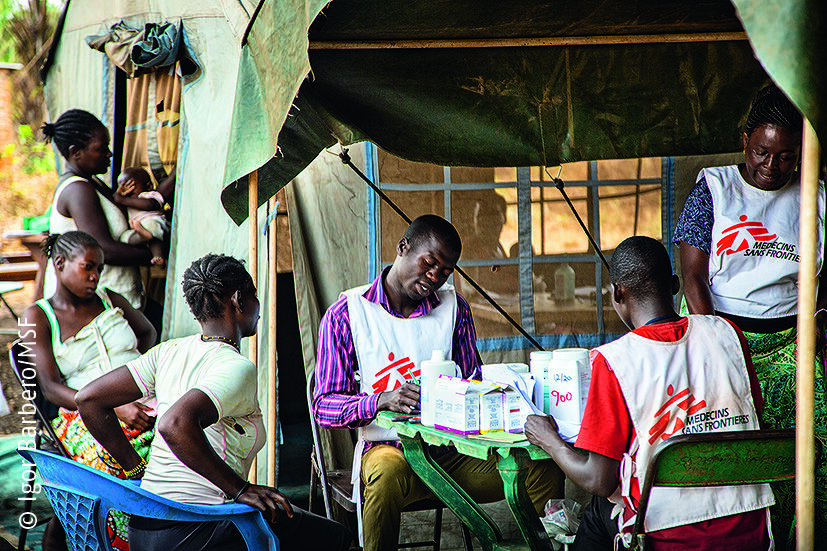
x,y
19,300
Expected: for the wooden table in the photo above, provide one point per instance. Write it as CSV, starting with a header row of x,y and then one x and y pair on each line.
x,y
512,463
31,241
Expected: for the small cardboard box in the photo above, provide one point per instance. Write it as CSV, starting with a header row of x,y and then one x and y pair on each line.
x,y
457,405
516,410
492,408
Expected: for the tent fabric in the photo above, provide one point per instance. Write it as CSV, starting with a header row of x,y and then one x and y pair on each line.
x,y
789,39
502,106
520,106
272,66
80,77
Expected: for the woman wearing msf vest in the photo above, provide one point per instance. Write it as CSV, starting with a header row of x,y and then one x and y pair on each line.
x,y
738,239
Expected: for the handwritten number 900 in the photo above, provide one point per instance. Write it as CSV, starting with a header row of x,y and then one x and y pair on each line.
x,y
560,397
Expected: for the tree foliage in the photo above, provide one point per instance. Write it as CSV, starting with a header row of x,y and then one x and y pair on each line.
x,y
27,29
7,53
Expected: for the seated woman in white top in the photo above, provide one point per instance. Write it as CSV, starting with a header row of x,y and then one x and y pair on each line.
x,y
209,422
81,332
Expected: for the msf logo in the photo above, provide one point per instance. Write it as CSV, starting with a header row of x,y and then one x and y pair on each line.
x,y
393,375
739,237
684,402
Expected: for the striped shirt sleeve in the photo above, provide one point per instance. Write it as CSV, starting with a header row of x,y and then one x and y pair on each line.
x,y
337,401
465,353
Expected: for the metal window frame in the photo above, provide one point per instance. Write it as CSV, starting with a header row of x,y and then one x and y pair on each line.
x,y
525,261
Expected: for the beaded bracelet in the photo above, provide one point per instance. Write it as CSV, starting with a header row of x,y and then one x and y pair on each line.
x,y
241,491
138,469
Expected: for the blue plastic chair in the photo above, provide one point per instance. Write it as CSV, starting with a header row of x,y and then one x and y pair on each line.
x,y
82,497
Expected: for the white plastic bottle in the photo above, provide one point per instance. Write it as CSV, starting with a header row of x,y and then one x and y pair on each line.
x,y
564,284
538,362
429,372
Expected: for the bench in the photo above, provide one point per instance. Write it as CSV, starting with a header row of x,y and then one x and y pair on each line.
x,y
18,271
17,256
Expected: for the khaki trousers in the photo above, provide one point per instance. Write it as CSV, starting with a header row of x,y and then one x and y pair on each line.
x,y
390,485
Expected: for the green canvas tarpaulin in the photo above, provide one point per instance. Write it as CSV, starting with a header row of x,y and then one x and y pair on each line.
x,y
683,93
790,40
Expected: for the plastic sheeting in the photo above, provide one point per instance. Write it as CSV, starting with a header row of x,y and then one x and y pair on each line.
x,y
789,39
505,106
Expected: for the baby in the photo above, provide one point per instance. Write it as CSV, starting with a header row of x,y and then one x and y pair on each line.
x,y
146,217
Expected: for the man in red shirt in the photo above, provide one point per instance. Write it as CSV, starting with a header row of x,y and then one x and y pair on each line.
x,y
670,375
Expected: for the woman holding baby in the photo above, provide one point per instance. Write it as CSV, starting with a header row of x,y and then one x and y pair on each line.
x,y
83,202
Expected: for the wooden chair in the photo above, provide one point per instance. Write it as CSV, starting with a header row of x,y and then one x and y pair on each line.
x,y
22,365
336,486
717,459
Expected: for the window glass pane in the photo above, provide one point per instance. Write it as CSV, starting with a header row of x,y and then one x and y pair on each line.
x,y
628,169
554,229
412,203
393,170
627,211
487,320
480,217
471,175
566,300
572,172
505,174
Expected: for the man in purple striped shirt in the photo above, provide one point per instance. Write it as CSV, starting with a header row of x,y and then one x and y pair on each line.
x,y
370,343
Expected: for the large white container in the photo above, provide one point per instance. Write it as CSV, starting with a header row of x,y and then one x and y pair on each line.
x,y
568,375
429,372
538,366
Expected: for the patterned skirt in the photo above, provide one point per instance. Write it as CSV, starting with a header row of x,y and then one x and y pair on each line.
x,y
773,356
83,448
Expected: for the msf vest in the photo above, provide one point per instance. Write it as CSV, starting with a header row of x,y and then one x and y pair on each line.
x,y
697,384
754,254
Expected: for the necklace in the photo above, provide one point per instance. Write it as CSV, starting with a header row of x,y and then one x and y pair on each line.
x,y
219,338
661,318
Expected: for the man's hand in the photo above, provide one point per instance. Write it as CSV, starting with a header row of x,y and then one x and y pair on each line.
x,y
135,416
268,500
540,429
404,399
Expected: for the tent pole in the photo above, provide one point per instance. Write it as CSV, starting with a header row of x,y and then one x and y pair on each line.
x,y
526,42
805,380
272,386
252,210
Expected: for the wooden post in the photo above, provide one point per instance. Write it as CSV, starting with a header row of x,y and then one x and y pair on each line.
x,y
252,210
272,374
525,42
805,380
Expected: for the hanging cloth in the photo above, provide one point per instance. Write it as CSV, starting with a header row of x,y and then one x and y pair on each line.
x,y
136,51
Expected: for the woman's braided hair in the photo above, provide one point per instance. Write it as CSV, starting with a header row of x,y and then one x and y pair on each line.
x,y
771,106
210,281
73,127
68,245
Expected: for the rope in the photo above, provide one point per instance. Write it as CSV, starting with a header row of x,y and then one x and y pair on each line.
x,y
558,183
346,160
